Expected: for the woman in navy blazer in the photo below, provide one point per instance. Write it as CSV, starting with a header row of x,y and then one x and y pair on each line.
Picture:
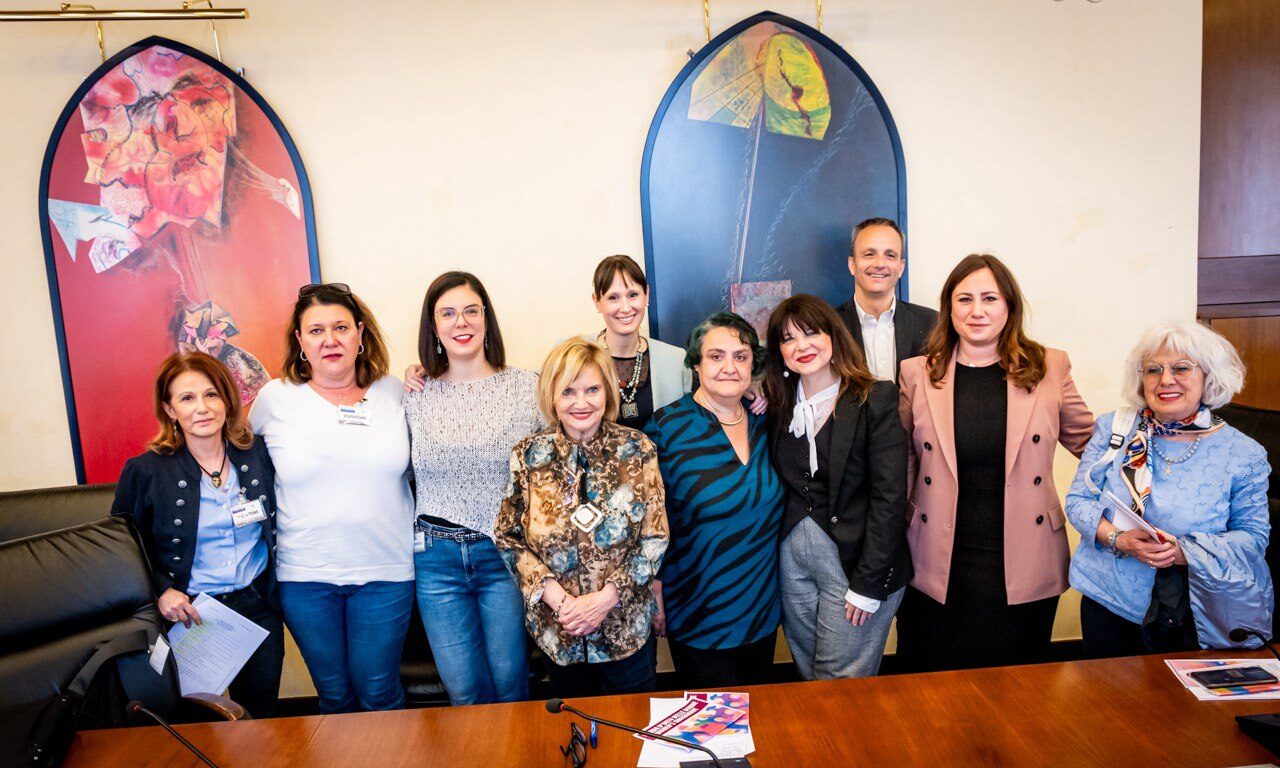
x,y
202,498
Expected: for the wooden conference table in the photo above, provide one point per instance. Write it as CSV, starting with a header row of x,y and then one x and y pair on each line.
x,y
1117,712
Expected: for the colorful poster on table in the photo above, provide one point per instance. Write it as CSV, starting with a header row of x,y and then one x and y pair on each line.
x,y
176,215
768,147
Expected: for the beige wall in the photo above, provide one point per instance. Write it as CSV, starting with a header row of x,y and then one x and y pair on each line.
x,y
505,138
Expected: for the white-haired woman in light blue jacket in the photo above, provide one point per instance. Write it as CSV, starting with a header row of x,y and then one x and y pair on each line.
x,y
1171,505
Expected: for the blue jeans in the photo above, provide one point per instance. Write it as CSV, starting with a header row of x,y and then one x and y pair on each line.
x,y
473,612
352,638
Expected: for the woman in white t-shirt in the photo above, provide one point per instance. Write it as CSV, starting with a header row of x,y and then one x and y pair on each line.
x,y
335,428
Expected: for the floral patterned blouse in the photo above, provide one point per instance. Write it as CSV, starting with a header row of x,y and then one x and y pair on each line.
x,y
538,540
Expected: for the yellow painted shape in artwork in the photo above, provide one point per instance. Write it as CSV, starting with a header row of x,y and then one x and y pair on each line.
x,y
766,60
728,90
799,101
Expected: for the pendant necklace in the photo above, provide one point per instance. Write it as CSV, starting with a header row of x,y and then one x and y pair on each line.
x,y
627,390
215,477
1169,463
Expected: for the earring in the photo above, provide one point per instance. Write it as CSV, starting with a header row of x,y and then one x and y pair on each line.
x,y
439,349
486,342
360,351
302,356
786,374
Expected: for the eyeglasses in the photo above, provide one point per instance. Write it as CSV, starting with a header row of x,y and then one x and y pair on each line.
x,y
577,748
314,288
1181,370
470,314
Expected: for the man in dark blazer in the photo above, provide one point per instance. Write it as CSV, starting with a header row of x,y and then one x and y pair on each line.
x,y
887,331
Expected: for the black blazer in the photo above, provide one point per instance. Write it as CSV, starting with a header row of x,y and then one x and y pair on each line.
x,y
868,492
161,495
911,326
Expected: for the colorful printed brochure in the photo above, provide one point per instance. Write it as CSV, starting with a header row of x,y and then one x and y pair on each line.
x,y
696,721
1183,668
740,701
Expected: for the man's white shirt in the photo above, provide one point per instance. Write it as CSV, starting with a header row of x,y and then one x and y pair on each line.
x,y
878,341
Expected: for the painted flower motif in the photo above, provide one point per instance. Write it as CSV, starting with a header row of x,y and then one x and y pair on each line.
x,y
157,130
596,653
563,561
629,448
640,570
610,531
653,548
539,452
620,500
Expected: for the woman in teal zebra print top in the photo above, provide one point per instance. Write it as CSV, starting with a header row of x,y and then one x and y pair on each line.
x,y
718,585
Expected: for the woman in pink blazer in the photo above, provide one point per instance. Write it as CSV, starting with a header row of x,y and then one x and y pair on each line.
x,y
985,408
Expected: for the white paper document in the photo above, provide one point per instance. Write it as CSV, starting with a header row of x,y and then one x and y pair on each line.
x,y
657,754
1124,518
209,655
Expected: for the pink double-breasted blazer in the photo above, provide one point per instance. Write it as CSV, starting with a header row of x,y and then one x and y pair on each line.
x,y
1036,556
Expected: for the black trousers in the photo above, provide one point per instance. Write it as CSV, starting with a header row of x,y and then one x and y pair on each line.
x,y
972,630
1107,635
257,687
703,669
634,674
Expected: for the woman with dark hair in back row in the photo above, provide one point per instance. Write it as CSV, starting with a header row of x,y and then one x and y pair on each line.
x,y
841,452
471,410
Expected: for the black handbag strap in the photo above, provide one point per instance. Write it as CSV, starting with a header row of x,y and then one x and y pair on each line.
x,y
132,642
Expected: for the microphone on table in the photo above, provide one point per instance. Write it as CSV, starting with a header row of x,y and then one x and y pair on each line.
x,y
135,707
556,706
1264,729
1240,634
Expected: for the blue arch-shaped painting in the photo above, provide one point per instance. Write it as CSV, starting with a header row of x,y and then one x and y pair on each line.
x,y
176,214
743,205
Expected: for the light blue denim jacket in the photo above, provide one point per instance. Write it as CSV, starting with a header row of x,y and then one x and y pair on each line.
x,y
1220,492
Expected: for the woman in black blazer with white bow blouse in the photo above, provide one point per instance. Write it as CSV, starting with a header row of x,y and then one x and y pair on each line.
x,y
202,498
840,448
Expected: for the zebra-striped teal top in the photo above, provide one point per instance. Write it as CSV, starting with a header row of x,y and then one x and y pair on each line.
x,y
720,573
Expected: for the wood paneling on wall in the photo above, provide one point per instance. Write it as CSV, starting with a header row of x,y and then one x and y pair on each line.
x,y
1239,243
1255,339
1240,129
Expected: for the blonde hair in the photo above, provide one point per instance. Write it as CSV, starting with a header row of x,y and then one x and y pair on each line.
x,y
563,365
1221,364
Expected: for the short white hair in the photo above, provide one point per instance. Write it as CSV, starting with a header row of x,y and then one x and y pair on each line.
x,y
1223,370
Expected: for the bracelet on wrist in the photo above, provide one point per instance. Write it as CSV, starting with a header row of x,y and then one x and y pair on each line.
x,y
1111,543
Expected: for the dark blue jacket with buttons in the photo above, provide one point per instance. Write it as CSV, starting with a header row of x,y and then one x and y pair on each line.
x,y
161,495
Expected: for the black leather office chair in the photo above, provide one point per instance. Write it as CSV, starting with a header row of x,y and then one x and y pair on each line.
x,y
28,513
65,593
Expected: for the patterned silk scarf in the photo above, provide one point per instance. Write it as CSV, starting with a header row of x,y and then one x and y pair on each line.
x,y
1137,467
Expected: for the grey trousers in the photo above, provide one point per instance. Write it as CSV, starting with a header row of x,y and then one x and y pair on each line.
x,y
823,642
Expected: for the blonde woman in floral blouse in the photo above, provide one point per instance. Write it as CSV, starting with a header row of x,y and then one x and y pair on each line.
x,y
583,527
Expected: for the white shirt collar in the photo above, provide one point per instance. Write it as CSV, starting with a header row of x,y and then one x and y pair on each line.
x,y
867,317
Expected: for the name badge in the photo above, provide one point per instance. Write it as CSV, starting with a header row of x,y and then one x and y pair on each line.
x,y
248,512
358,414
586,517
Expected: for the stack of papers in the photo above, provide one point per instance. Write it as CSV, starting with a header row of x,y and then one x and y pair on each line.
x,y
717,720
1183,667
210,654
